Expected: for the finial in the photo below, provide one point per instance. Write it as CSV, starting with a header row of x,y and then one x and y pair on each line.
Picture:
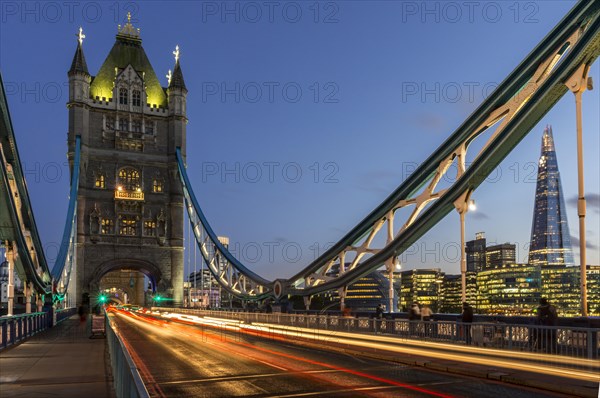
x,y
80,36
176,53
128,17
169,75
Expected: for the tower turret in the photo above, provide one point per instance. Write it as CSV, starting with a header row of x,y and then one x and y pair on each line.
x,y
177,97
79,77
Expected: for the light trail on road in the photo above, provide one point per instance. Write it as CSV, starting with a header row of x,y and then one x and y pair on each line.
x,y
192,356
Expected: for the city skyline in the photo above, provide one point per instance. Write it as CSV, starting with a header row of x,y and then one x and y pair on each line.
x,y
306,134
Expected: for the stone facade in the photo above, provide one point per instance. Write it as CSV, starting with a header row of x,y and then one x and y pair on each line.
x,y
130,200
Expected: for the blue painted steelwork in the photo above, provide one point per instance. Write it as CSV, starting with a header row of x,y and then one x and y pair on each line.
x,y
30,264
231,273
66,256
16,215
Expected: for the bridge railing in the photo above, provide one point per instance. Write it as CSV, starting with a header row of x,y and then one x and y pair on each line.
x,y
577,342
19,327
16,328
126,377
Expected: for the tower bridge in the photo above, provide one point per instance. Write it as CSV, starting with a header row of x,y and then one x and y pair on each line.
x,y
130,189
129,184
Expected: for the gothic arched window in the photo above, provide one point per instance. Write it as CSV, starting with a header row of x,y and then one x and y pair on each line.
x,y
123,96
129,179
136,98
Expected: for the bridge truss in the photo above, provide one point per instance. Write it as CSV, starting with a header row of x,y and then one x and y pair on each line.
x,y
416,206
507,115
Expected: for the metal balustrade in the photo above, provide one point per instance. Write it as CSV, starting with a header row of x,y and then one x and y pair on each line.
x,y
126,377
17,328
578,342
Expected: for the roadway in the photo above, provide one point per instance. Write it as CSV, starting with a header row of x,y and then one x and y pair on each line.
x,y
179,359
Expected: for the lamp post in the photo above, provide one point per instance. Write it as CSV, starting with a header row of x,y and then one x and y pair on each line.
x,y
578,83
463,204
396,267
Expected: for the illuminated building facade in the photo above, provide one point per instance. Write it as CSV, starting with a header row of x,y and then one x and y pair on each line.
x,y
368,292
510,289
423,286
475,251
561,286
550,246
593,286
499,256
364,295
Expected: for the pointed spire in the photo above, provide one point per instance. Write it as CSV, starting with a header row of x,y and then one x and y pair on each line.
x,y
128,32
547,140
79,64
176,80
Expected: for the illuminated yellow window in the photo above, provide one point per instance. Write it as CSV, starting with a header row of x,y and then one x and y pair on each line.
x,y
107,226
129,179
150,228
100,181
157,185
128,226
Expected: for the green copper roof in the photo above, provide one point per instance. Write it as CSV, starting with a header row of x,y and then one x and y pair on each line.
x,y
127,50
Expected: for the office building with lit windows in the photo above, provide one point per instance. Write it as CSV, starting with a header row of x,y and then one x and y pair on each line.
x,y
475,252
364,295
499,256
593,289
423,286
511,289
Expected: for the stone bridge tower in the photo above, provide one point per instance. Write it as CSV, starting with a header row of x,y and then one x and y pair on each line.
x,y
130,201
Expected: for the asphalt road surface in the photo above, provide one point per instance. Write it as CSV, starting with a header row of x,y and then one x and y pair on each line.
x,y
177,360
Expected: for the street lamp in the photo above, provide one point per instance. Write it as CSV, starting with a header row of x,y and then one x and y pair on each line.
x,y
463,204
396,267
578,83
472,206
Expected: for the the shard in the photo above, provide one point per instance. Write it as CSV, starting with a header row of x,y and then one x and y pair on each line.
x,y
550,243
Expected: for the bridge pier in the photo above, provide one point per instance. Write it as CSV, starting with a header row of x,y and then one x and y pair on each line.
x,y
28,294
39,301
10,288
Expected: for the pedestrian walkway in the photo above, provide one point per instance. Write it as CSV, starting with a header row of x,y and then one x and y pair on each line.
x,y
62,361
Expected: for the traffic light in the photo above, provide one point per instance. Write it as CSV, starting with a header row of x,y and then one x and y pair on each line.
x,y
102,298
157,298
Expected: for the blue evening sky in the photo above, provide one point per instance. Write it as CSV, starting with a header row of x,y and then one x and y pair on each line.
x,y
301,114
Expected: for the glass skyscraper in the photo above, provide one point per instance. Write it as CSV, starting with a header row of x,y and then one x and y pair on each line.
x,y
550,247
550,239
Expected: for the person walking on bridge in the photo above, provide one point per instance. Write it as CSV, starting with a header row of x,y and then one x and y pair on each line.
x,y
467,318
548,319
378,317
414,315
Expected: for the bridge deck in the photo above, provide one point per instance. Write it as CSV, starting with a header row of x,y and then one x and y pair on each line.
x,y
62,362
198,358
